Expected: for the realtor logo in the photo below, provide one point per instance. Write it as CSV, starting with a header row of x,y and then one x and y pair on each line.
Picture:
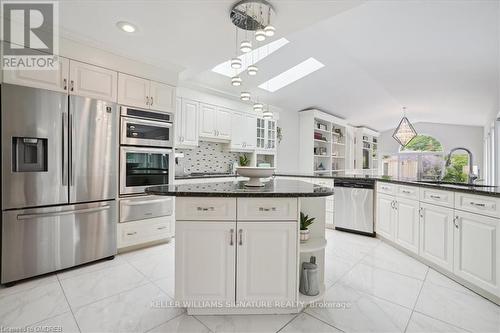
x,y
29,35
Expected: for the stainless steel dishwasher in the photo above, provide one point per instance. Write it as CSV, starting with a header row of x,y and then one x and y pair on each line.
x,y
354,206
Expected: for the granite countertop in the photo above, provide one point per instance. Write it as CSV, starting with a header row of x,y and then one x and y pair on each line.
x,y
206,175
275,188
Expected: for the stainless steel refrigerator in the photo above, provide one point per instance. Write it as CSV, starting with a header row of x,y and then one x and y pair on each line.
x,y
59,181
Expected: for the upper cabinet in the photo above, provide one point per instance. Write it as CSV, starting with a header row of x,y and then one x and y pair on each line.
x,y
92,81
146,94
266,135
186,123
243,132
73,77
215,122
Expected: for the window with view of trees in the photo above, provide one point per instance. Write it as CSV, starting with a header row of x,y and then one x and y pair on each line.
x,y
423,159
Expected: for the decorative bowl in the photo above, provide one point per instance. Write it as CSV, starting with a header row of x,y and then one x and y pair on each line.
x,y
255,174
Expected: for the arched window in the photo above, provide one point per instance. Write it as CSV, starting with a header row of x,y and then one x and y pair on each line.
x,y
423,142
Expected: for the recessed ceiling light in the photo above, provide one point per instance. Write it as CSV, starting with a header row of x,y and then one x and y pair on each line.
x,y
291,75
250,58
126,26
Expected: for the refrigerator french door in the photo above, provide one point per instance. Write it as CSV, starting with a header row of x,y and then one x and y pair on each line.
x,y
59,160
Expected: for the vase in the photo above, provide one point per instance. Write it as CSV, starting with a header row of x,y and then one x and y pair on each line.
x,y
304,235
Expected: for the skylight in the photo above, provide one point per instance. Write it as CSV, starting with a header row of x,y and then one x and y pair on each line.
x,y
250,58
291,75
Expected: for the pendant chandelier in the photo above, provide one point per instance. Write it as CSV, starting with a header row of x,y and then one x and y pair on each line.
x,y
253,17
405,132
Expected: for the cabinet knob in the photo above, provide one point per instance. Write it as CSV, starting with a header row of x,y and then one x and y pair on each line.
x,y
65,84
72,85
151,100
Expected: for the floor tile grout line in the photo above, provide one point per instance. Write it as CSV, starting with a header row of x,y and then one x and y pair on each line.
x,y
201,322
163,323
84,273
324,322
443,321
391,271
295,315
29,280
416,300
69,305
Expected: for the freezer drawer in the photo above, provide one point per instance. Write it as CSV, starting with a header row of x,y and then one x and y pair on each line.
x,y
43,240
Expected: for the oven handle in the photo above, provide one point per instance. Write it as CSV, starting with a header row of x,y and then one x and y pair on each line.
x,y
146,150
147,122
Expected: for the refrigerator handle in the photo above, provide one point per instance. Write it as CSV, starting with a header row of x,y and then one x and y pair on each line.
x,y
64,148
70,130
62,213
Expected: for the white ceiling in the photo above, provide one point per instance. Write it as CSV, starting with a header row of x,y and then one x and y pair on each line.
x,y
438,58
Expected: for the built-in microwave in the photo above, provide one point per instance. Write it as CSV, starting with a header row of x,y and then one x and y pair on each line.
x,y
146,128
142,167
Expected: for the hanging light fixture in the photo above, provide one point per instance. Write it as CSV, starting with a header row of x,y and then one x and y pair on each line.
x,y
260,35
236,81
266,114
236,63
252,70
245,96
258,107
245,46
405,132
269,30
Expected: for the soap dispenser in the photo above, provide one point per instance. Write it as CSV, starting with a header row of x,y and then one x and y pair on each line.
x,y
309,283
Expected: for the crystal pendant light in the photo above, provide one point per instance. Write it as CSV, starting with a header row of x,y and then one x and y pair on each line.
x,y
236,63
260,35
245,96
245,46
258,107
269,30
405,132
252,70
236,81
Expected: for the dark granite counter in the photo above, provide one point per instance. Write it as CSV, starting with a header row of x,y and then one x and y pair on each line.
x,y
206,175
274,188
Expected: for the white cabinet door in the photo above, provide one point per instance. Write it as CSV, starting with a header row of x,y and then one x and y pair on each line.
x,y
476,254
267,261
406,224
92,81
250,139
208,115
189,125
238,128
223,123
57,80
207,248
178,121
436,235
384,225
162,96
133,91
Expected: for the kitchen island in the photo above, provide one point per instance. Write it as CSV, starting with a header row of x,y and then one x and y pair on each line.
x,y
237,248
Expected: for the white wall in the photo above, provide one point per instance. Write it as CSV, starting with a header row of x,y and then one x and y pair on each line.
x,y
450,136
288,149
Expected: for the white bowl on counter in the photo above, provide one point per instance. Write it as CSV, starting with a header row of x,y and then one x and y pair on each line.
x,y
255,174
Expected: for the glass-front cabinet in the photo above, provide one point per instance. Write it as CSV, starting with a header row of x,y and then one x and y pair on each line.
x,y
266,134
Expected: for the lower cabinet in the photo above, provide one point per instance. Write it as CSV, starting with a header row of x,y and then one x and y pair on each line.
x,y
144,231
476,250
205,257
386,216
406,224
266,261
436,235
229,261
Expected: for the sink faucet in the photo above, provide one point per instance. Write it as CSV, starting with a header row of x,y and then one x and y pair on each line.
x,y
472,176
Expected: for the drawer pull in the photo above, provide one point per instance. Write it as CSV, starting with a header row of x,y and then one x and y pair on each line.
x,y
433,196
205,209
131,233
477,204
241,236
384,188
161,228
407,191
262,209
231,241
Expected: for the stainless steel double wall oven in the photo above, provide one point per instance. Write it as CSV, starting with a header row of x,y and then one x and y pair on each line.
x,y
59,181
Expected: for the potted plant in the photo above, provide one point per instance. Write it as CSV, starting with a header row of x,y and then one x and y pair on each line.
x,y
305,222
244,160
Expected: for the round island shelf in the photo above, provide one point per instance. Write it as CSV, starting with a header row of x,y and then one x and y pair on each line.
x,y
312,245
306,300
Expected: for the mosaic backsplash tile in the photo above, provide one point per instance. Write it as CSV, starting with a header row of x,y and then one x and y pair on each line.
x,y
207,157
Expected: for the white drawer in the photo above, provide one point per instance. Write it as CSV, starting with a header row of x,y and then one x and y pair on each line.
x,y
437,197
144,231
478,204
145,207
256,209
410,192
387,188
205,209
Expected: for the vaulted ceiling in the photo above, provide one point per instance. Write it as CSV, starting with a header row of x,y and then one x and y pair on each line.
x,y
438,58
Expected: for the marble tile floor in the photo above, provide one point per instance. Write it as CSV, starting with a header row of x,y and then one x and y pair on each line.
x,y
380,289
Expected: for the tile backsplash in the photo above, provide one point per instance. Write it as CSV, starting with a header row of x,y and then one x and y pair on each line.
x,y
207,157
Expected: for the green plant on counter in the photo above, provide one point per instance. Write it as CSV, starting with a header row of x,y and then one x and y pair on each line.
x,y
244,160
305,221
454,173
